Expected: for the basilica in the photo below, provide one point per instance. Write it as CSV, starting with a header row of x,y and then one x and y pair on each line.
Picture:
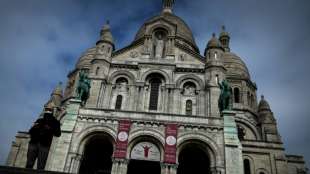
x,y
152,107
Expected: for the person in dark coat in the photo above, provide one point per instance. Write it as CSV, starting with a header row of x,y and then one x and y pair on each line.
x,y
41,136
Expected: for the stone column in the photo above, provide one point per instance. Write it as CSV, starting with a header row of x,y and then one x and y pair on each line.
x,y
168,168
233,147
75,162
119,166
61,146
107,96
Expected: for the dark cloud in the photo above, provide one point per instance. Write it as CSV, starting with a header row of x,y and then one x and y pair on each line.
x,y
42,40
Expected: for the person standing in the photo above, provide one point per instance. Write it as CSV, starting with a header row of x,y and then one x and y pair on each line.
x,y
41,136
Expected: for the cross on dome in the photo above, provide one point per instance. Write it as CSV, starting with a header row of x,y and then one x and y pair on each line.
x,y
168,6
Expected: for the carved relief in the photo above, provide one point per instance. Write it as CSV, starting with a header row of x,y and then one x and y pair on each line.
x,y
134,54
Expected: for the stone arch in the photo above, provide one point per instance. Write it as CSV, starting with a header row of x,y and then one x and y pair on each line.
x,y
122,73
161,72
147,132
190,78
167,26
250,126
211,147
146,135
88,133
83,138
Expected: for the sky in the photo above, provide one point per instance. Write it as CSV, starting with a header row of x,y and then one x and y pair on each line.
x,y
40,42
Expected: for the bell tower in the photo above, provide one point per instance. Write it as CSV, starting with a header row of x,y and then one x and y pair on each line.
x,y
168,6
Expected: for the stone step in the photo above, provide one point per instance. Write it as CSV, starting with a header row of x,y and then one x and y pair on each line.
x,y
15,170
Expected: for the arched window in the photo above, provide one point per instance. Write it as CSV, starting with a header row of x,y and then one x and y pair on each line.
x,y
247,166
118,104
236,95
189,107
215,55
97,70
155,84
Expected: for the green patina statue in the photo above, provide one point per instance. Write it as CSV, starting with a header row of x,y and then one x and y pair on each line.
x,y
83,87
225,96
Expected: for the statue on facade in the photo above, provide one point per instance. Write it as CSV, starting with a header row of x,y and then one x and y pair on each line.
x,y
225,96
83,87
159,46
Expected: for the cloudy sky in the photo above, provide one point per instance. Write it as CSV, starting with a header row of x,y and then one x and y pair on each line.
x,y
40,42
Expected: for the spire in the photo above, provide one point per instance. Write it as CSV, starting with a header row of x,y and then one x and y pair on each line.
x,y
225,38
105,34
168,6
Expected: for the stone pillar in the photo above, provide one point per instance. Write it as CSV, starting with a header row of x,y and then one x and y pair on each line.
x,y
233,147
107,96
75,162
214,95
168,168
119,166
60,146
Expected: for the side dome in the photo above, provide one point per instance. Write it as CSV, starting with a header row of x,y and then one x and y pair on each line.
x,y
214,42
235,66
182,29
263,105
86,58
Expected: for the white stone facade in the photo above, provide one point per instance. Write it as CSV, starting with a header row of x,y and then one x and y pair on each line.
x,y
187,95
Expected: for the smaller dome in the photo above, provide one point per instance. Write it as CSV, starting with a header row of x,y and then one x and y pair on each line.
x,y
235,66
86,58
263,105
214,42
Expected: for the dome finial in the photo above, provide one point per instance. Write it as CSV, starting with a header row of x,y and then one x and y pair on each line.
x,y
168,6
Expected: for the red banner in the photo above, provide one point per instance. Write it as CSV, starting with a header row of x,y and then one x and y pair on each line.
x,y
122,139
171,143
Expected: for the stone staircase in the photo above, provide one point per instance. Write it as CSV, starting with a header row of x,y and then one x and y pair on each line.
x,y
15,170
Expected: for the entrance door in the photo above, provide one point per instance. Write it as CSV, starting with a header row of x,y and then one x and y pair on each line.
x,y
193,160
97,157
143,167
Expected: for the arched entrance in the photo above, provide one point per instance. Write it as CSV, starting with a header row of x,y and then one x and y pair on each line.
x,y
97,156
193,158
144,158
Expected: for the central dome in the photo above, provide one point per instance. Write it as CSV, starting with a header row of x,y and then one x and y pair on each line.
x,y
182,29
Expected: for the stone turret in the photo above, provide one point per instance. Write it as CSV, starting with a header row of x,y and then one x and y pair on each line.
x,y
225,39
268,122
215,72
105,46
55,101
214,49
